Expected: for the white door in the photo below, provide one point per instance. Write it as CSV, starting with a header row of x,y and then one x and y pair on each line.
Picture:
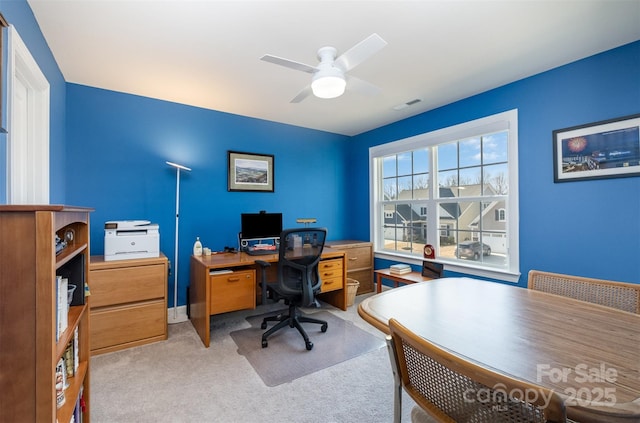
x,y
27,126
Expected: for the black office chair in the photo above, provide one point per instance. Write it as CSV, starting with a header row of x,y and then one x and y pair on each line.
x,y
298,279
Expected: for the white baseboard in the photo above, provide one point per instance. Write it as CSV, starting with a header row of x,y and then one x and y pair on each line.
x,y
179,317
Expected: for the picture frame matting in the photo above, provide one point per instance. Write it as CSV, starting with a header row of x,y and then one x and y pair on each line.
x,y
250,172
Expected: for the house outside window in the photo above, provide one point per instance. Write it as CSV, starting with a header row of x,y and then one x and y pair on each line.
x,y
450,188
444,230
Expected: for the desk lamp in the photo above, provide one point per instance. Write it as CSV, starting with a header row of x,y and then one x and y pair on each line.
x,y
175,260
306,220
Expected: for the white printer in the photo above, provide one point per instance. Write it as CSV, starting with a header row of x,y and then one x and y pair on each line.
x,y
131,239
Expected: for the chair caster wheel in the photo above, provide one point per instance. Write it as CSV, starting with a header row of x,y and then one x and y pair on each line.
x,y
323,328
309,345
263,325
265,344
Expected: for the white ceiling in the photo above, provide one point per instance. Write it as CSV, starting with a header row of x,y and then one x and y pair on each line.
x,y
206,53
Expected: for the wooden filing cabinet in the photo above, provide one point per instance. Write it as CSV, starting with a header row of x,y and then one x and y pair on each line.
x,y
128,302
331,274
232,291
359,261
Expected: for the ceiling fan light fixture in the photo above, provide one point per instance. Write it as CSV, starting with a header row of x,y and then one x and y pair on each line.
x,y
328,80
328,87
328,84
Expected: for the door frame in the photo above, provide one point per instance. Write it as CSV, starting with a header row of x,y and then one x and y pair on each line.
x,y
27,126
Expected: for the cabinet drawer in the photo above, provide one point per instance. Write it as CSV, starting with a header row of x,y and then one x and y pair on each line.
x,y
233,291
358,257
125,285
331,275
365,277
119,325
331,284
326,267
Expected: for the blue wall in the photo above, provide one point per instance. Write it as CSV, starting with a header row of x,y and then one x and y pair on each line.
x,y
118,145
588,228
19,14
108,151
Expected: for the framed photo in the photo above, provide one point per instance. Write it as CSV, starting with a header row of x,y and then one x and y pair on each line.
x,y
607,149
250,172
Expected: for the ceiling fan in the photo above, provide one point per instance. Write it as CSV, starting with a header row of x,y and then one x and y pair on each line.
x,y
330,77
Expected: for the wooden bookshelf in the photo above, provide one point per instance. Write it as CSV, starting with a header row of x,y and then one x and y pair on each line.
x,y
28,310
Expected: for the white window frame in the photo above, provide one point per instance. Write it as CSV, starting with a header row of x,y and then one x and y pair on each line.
x,y
499,122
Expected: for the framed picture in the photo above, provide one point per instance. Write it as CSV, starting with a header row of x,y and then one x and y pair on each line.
x,y
607,149
250,172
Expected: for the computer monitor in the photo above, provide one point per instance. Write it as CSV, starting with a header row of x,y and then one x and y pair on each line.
x,y
260,225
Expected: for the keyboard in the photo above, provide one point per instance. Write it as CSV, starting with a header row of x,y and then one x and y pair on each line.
x,y
260,252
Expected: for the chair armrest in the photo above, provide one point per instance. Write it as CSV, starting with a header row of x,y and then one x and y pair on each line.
x,y
263,278
263,263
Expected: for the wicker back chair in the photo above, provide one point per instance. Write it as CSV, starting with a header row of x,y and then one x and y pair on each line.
x,y
452,389
620,295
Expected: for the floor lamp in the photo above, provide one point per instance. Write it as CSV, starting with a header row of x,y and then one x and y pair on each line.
x,y
175,260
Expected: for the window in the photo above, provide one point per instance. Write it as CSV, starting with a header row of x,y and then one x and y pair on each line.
x,y
450,188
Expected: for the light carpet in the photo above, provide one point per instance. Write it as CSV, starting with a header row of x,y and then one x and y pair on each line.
x,y
181,381
287,359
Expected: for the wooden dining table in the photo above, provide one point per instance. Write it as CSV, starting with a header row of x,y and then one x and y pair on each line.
x,y
589,354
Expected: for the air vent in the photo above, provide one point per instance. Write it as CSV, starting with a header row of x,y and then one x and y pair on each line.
x,y
407,104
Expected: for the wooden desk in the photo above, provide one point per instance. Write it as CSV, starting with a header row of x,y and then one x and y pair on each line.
x,y
545,339
201,306
407,278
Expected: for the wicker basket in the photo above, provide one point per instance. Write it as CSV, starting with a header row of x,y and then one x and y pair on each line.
x,y
352,290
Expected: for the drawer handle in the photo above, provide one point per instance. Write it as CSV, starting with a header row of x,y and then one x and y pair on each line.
x,y
329,282
328,265
233,279
353,258
325,274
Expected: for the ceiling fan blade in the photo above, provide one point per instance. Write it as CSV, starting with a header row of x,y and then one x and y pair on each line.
x,y
361,86
360,52
306,92
289,63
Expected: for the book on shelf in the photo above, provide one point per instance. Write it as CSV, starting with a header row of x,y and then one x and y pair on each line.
x,y
68,360
76,349
60,383
78,409
400,269
71,355
56,285
62,305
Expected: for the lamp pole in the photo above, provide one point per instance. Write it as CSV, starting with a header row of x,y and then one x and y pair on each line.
x,y
175,260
